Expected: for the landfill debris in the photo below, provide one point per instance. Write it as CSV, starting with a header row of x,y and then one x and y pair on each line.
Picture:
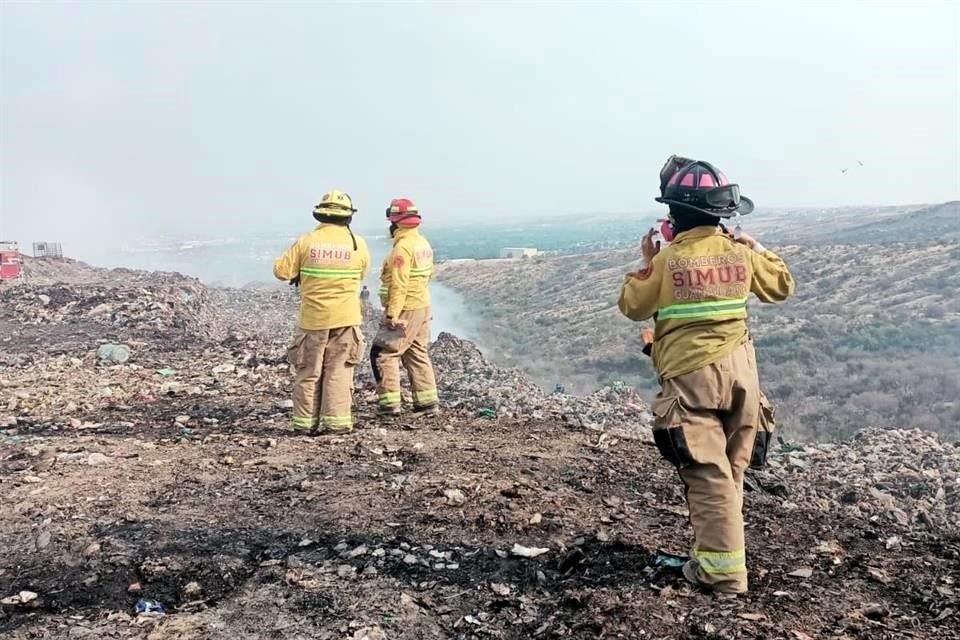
x,y
22,598
669,561
149,607
454,496
97,459
469,381
114,352
534,470
802,572
528,552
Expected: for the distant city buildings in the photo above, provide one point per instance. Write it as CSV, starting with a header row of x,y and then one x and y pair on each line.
x,y
518,253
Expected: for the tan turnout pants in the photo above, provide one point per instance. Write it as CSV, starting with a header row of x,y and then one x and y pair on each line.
x,y
324,361
705,424
409,347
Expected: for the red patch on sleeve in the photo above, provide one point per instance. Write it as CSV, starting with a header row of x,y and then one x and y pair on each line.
x,y
398,261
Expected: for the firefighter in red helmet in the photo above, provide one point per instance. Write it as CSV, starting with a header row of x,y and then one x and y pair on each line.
x,y
405,294
708,410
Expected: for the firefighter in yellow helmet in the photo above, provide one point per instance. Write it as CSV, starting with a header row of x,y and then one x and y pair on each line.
x,y
405,334
708,411
329,264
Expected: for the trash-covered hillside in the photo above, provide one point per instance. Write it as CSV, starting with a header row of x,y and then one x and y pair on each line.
x,y
151,488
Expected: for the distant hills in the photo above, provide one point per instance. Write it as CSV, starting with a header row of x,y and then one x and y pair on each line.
x,y
871,339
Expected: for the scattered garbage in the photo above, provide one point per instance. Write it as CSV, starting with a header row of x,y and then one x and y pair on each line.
x,y
165,372
22,598
487,412
119,353
669,561
149,607
528,552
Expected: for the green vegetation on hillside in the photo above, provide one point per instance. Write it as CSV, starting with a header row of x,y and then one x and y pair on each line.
x,y
872,338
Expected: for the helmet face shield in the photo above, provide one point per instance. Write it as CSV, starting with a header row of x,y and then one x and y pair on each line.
x,y
698,185
725,197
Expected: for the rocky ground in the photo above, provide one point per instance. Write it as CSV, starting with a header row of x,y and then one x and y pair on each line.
x,y
166,473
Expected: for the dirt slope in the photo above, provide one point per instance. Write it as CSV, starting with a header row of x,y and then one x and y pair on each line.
x,y
187,488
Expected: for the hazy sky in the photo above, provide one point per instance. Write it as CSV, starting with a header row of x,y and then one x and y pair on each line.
x,y
124,118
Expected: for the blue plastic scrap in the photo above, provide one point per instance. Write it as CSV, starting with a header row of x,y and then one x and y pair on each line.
x,y
669,561
149,606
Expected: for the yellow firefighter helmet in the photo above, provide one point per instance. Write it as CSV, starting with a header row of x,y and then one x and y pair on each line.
x,y
335,203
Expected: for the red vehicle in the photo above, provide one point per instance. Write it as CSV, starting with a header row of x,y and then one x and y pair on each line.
x,y
9,261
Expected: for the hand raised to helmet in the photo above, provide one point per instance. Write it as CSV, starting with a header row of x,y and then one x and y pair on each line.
x,y
649,247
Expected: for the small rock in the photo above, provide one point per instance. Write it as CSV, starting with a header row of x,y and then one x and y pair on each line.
x,y
192,589
340,548
410,559
134,588
285,404
359,551
370,633
345,570
182,419
879,575
797,463
500,589
378,553
455,496
96,459
802,572
43,540
753,617
92,549
27,596
370,571
536,518
875,611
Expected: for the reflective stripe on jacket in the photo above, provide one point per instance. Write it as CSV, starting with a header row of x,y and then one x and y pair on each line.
x,y
330,272
698,288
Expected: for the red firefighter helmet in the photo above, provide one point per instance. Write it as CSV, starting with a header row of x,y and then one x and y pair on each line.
x,y
403,212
